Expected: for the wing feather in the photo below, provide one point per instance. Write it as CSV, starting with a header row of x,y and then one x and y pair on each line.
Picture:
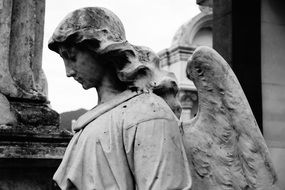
x,y
224,145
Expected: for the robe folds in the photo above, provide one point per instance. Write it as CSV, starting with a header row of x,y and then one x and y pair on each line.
x,y
132,142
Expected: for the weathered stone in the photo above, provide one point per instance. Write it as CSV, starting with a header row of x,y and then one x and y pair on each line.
x,y
33,150
35,114
223,142
21,34
21,76
27,39
30,139
6,116
7,85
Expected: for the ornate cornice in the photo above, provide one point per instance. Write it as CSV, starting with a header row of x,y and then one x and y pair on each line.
x,y
175,54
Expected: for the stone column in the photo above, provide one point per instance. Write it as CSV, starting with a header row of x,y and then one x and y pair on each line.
x,y
222,26
230,19
31,144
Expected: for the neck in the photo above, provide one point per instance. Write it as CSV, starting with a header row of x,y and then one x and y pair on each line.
x,y
109,88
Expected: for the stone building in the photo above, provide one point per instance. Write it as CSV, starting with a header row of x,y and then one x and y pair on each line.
x,y
251,37
196,32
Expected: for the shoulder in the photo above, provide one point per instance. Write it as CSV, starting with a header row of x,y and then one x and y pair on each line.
x,y
144,107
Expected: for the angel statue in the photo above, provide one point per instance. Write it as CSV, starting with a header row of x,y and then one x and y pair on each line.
x,y
132,139
224,145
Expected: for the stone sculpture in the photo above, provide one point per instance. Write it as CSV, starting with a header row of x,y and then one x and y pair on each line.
x,y
224,145
23,85
131,139
21,52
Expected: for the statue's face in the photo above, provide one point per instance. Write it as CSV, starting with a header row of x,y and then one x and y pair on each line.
x,y
82,66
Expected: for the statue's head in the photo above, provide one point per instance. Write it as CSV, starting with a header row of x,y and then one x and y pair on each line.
x,y
100,32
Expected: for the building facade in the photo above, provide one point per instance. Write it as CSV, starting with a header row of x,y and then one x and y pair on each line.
x,y
194,33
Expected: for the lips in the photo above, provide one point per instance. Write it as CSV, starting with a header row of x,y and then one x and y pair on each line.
x,y
78,79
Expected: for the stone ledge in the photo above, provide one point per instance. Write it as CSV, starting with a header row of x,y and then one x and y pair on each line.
x,y
31,150
21,131
32,142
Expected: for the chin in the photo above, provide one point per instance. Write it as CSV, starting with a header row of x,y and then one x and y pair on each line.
x,y
85,87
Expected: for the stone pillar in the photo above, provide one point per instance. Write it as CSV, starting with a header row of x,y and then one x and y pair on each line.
x,y
222,26
174,60
236,24
31,144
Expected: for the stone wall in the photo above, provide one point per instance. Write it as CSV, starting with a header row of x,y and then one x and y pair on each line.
x,y
273,81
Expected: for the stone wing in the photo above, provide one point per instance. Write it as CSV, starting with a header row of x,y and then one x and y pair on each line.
x,y
224,145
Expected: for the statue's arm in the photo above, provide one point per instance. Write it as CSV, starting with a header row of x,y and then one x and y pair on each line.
x,y
159,157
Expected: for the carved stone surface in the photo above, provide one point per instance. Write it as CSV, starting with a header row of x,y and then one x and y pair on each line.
x,y
223,142
6,116
174,55
23,88
21,36
21,75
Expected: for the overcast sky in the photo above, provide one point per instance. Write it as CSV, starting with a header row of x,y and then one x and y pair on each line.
x,y
151,23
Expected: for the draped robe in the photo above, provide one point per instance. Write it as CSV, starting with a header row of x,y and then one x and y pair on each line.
x,y
131,142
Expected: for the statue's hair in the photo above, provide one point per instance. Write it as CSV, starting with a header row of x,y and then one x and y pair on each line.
x,y
100,31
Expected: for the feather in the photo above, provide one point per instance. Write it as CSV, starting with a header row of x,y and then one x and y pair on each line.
x,y
224,145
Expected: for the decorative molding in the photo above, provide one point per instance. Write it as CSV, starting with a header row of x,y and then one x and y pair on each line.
x,y
174,54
